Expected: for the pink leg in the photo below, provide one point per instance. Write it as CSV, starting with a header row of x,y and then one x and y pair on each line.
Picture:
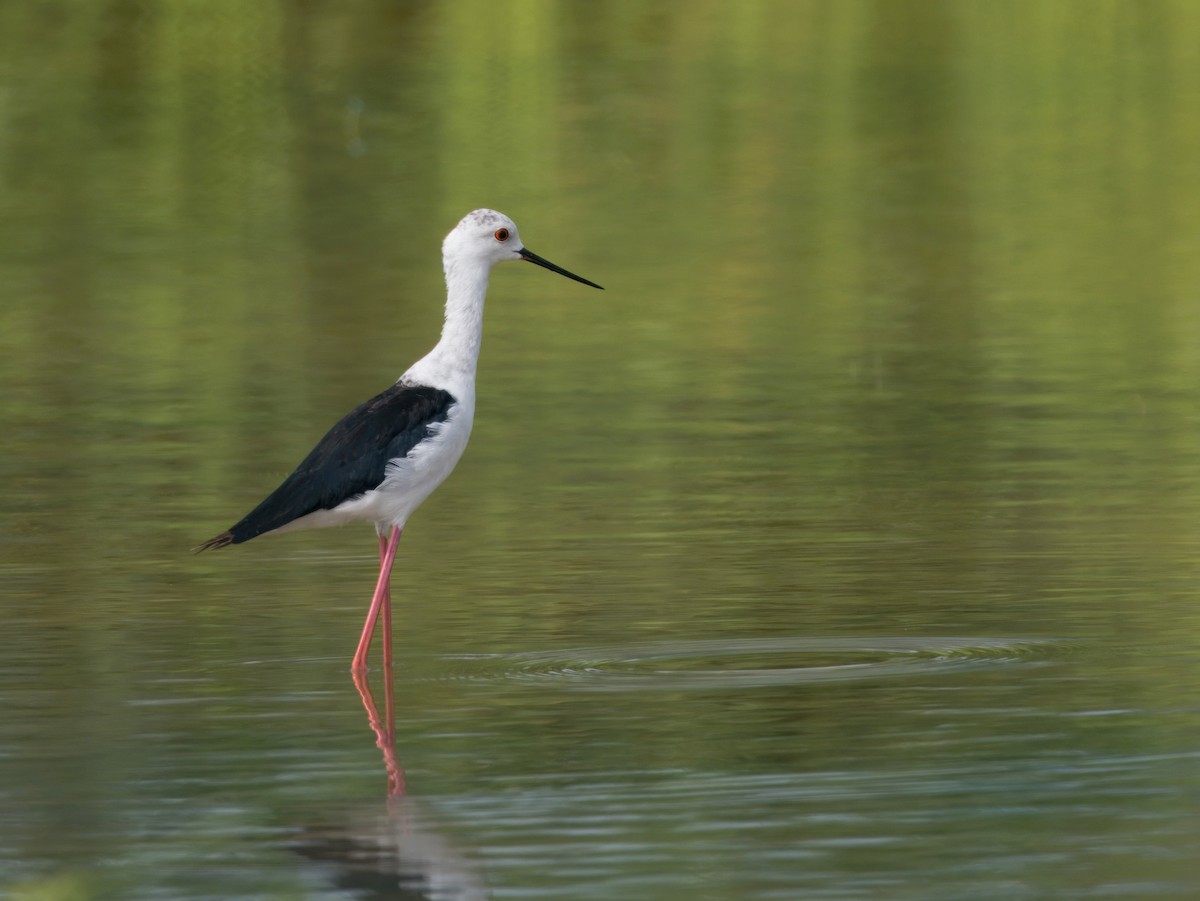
x,y
382,592
387,610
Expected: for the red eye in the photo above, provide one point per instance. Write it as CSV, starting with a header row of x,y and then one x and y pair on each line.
x,y
502,234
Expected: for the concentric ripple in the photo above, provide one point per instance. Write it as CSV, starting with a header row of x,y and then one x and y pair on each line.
x,y
750,663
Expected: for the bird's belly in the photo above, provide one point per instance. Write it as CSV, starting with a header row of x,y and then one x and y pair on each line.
x,y
411,479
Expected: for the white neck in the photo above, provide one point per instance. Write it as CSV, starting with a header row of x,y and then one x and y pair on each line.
x,y
452,362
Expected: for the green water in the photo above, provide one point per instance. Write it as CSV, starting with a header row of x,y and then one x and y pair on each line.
x,y
845,547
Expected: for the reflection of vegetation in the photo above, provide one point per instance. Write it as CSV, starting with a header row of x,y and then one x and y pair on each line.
x,y
901,311
58,888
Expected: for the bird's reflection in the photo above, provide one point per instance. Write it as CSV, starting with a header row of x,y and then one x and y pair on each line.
x,y
384,728
396,855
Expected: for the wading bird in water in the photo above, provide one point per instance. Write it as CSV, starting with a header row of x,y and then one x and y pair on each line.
x,y
388,454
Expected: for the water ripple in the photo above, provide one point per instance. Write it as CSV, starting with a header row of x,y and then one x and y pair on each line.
x,y
750,662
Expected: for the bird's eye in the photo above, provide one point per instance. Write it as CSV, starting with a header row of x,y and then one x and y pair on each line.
x,y
502,234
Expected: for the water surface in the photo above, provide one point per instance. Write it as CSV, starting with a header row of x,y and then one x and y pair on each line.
x,y
845,547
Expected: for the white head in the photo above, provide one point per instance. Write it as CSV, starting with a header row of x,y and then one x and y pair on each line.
x,y
488,237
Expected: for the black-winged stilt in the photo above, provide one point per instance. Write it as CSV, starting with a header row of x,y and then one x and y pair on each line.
x,y
388,454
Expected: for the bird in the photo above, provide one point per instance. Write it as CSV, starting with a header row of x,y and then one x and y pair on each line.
x,y
381,460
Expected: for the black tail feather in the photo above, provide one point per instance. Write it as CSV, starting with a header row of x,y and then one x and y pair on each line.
x,y
219,541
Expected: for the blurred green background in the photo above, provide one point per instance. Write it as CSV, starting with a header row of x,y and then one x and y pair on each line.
x,y
898,343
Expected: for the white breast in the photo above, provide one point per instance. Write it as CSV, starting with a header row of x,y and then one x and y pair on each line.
x,y
413,478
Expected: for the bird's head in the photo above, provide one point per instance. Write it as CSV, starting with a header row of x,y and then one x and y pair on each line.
x,y
488,237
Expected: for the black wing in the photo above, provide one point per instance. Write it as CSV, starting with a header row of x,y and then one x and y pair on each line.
x,y
351,459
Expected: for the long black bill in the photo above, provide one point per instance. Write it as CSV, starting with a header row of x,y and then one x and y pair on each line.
x,y
546,264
